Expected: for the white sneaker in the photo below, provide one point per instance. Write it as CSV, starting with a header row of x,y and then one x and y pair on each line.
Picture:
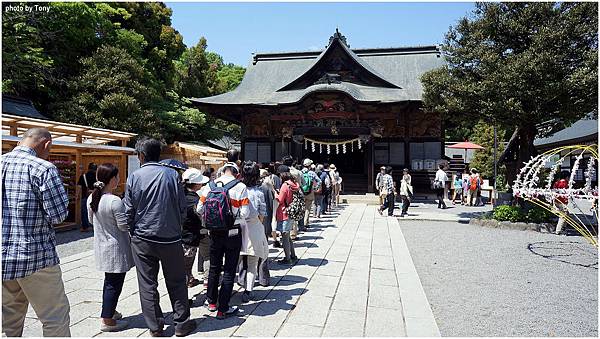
x,y
119,326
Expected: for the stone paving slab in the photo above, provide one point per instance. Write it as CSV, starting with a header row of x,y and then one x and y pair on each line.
x,y
354,278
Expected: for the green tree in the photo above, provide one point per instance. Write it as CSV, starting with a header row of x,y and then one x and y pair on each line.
x,y
152,20
483,135
180,121
518,65
192,72
111,92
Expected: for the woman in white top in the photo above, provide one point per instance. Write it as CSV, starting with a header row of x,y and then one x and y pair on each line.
x,y
111,243
439,185
254,242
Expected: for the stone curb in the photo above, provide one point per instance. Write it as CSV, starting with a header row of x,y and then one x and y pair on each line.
x,y
521,226
418,316
459,220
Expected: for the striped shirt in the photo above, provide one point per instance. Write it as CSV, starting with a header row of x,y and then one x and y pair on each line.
x,y
33,199
238,197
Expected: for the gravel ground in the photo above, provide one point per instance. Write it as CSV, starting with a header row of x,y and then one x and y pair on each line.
x,y
495,282
73,242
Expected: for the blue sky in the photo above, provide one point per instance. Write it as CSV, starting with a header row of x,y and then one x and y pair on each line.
x,y
235,30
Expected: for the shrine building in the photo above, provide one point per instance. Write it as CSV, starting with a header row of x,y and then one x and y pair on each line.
x,y
356,108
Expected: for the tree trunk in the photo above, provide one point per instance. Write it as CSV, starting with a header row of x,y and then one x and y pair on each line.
x,y
526,150
526,147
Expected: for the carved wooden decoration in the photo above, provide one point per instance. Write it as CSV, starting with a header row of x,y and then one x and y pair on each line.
x,y
425,125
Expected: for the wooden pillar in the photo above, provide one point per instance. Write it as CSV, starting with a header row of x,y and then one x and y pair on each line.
x,y
13,130
371,163
123,172
78,192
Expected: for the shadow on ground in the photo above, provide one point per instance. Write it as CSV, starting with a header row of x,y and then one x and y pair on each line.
x,y
569,252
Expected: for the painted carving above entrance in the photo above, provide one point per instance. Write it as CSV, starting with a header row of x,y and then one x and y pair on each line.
x,y
255,125
425,125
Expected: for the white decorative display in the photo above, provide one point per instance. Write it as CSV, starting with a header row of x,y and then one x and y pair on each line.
x,y
329,144
527,186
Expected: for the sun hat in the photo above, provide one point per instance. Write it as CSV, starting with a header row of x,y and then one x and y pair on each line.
x,y
307,162
194,176
332,166
382,167
264,173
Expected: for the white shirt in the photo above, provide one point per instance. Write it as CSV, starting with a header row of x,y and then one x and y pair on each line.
x,y
440,175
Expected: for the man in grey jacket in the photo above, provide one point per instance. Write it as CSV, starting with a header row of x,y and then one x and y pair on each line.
x,y
155,204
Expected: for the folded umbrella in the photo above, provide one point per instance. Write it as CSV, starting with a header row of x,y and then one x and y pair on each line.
x,y
175,164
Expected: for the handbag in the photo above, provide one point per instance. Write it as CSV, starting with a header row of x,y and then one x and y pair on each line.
x,y
438,184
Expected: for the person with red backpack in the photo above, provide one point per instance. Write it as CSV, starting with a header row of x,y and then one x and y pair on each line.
x,y
287,198
474,186
223,205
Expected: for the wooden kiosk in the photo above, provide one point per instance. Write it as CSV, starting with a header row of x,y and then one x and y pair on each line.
x,y
201,157
73,148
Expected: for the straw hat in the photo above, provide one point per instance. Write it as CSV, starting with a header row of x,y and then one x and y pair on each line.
x,y
332,166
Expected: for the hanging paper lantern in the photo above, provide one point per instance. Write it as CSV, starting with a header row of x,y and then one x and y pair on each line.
x,y
359,145
312,147
352,144
305,144
337,148
320,148
328,149
344,148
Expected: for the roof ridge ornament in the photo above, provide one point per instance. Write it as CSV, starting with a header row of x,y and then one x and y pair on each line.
x,y
339,36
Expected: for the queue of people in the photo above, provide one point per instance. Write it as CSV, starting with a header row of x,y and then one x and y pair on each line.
x,y
165,219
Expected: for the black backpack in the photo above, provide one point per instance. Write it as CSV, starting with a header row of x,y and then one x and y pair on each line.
x,y
218,215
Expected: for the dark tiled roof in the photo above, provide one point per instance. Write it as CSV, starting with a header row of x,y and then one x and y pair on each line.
x,y
582,129
19,106
269,74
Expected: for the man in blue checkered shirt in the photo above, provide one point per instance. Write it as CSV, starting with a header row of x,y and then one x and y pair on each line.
x,y
33,199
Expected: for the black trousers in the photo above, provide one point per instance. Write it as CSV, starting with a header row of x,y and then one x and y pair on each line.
x,y
325,202
405,204
148,256
222,246
389,203
113,285
440,196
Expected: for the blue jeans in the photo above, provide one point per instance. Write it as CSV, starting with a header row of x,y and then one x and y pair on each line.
x,y
113,285
318,204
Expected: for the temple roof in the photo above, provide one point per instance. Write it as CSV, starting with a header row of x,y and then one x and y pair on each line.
x,y
586,128
19,106
378,75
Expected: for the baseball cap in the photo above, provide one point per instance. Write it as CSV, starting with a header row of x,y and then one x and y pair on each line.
x,y
282,169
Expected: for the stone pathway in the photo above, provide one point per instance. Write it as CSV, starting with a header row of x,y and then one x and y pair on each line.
x,y
355,277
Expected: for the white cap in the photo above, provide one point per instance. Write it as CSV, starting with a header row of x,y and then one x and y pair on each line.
x,y
307,162
194,176
232,165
